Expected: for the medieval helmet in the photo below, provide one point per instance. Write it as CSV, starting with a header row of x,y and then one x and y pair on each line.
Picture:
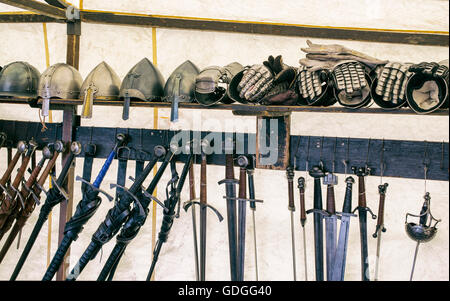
x,y
19,79
101,83
212,83
180,86
144,82
59,81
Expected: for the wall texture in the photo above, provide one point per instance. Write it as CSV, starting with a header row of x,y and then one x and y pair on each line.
x,y
123,46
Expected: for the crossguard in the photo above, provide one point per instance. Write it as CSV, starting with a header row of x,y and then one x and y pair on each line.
x,y
341,214
243,200
425,213
377,229
322,212
62,191
228,181
135,199
188,204
5,191
19,195
367,209
148,195
35,197
109,197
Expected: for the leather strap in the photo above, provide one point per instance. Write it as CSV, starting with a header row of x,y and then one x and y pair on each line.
x,y
89,154
123,154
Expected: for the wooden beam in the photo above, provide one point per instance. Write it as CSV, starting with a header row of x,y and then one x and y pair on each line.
x,y
37,7
27,18
267,28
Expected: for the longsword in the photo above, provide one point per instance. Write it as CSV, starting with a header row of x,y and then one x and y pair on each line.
x,y
362,208
301,188
316,172
330,222
338,269
380,225
291,207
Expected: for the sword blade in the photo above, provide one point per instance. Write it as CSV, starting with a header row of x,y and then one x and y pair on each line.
x,y
318,245
293,246
304,254
194,229
242,212
414,261
330,239
377,263
254,244
232,231
203,214
338,270
364,249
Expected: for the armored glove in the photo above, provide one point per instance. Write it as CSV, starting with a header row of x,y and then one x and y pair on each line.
x,y
259,80
309,83
427,87
336,53
391,81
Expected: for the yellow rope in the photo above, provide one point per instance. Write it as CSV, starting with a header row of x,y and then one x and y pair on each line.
x,y
155,126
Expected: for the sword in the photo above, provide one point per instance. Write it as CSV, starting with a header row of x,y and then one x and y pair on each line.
x,y
338,270
330,222
301,188
316,172
362,208
194,219
380,225
230,191
291,207
251,193
242,211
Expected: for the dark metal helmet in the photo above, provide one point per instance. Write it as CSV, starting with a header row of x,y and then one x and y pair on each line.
x,y
19,79
101,83
59,81
143,81
212,83
181,83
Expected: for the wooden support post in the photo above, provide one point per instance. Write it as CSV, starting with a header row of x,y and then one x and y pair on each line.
x,y
70,121
272,141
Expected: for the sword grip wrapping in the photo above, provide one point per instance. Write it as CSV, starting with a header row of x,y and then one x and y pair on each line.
x,y
347,207
9,169
104,170
251,188
317,194
203,183
331,203
229,166
290,178
58,258
302,207
380,220
242,183
423,214
361,192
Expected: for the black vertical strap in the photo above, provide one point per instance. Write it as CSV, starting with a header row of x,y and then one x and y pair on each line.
x,y
89,153
123,154
9,149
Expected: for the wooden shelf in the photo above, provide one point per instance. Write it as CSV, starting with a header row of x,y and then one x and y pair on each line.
x,y
237,108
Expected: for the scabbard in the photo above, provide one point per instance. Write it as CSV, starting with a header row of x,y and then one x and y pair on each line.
x,y
318,230
108,270
230,191
242,211
362,213
88,255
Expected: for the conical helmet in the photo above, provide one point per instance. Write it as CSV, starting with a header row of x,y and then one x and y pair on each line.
x,y
101,83
212,83
59,81
180,86
19,79
144,82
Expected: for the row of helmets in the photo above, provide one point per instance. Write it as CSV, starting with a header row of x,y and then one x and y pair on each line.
x,y
143,82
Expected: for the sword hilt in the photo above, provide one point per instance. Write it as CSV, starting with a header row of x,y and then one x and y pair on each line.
x,y
60,189
18,195
109,197
149,196
301,188
380,222
133,197
319,211
367,209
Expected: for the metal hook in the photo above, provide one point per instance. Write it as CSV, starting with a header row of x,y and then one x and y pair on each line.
x,y
320,158
334,155
368,153
382,165
346,161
